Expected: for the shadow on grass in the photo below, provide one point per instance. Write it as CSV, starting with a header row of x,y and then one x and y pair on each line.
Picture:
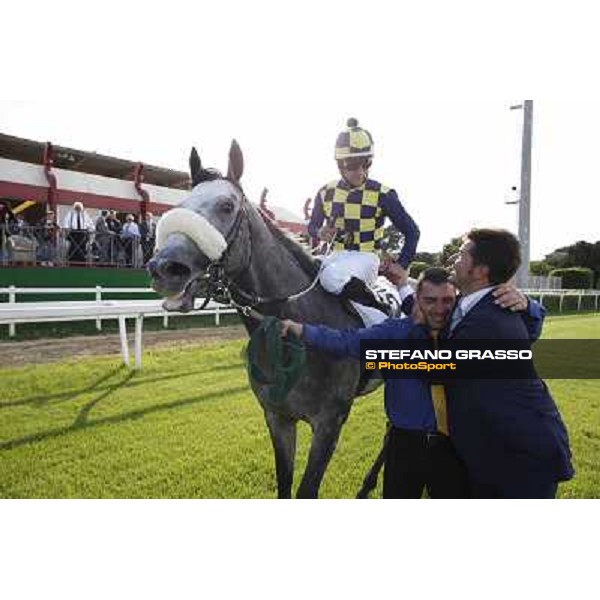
x,y
71,394
82,423
82,416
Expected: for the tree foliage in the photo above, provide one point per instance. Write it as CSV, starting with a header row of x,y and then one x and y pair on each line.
x,y
449,249
417,267
580,254
540,267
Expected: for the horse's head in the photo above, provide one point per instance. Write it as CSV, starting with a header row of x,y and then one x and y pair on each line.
x,y
198,232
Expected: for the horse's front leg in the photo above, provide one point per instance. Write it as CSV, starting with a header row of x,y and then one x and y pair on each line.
x,y
326,432
283,436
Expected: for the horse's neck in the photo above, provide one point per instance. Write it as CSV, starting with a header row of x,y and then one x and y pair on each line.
x,y
273,271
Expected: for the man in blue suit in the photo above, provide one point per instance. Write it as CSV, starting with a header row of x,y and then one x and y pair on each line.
x,y
508,431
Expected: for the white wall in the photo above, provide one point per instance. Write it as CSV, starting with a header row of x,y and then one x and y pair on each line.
x,y
25,173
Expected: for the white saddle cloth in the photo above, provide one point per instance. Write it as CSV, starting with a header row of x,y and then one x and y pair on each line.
x,y
388,294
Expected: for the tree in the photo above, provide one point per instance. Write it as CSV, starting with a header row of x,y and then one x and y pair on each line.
x,y
431,259
539,267
581,254
416,268
449,249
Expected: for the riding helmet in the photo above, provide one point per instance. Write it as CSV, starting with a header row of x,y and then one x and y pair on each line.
x,y
354,142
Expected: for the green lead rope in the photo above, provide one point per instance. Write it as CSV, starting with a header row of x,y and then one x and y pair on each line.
x,y
286,359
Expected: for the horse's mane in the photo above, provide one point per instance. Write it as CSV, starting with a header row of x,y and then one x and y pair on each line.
x,y
209,174
307,263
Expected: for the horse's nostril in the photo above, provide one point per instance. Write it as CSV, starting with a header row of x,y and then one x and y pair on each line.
x,y
152,268
175,269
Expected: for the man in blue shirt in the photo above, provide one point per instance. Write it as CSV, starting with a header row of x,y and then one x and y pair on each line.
x,y
419,453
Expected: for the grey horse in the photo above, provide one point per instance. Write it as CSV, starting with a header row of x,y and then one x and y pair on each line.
x,y
216,227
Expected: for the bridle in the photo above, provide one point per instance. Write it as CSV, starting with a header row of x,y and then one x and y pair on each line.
x,y
221,286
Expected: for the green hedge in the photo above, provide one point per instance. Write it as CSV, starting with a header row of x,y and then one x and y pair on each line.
x,y
575,278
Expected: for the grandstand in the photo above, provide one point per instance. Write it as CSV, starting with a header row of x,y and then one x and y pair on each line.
x,y
40,182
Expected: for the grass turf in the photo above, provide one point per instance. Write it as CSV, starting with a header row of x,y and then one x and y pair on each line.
x,y
188,426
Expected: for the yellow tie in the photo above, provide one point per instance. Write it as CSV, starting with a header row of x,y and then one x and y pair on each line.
x,y
438,398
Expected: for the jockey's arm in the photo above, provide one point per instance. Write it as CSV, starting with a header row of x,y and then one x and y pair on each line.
x,y
405,224
317,218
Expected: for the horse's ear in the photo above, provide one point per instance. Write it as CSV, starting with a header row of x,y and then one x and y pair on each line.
x,y
236,162
195,167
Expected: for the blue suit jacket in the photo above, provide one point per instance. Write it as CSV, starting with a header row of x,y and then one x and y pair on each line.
x,y
507,431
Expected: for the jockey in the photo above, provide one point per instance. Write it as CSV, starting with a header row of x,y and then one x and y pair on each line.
x,y
354,210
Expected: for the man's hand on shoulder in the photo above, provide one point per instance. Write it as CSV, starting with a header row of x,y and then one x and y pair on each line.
x,y
509,297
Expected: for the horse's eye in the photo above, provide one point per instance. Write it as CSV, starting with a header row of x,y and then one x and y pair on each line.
x,y
227,206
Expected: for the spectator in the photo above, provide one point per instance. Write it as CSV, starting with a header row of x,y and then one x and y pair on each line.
x,y
48,235
7,226
20,225
104,238
79,225
113,223
130,237
148,236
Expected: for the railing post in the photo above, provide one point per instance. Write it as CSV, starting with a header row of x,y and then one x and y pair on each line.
x,y
217,316
98,301
560,304
579,301
12,298
123,337
139,324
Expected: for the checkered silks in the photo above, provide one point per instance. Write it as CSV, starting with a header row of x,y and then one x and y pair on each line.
x,y
357,212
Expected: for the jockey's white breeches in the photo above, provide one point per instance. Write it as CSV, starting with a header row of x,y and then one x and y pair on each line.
x,y
340,266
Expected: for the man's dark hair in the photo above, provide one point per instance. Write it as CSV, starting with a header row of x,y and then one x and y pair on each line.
x,y
434,275
497,249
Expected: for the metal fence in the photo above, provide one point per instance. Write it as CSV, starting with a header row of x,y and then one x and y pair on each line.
x,y
543,282
561,295
54,246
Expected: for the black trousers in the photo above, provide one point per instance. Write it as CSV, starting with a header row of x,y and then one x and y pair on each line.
x,y
522,490
416,461
78,245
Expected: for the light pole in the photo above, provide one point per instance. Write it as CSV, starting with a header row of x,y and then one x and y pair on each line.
x,y
525,195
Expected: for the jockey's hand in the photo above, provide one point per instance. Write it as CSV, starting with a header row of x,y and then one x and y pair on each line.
x,y
288,326
327,234
508,296
394,272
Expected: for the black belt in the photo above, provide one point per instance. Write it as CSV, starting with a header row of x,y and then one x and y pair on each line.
x,y
430,437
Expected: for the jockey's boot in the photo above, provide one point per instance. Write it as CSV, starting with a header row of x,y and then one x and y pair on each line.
x,y
358,291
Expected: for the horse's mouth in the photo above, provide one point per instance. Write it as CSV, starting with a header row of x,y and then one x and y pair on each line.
x,y
184,300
